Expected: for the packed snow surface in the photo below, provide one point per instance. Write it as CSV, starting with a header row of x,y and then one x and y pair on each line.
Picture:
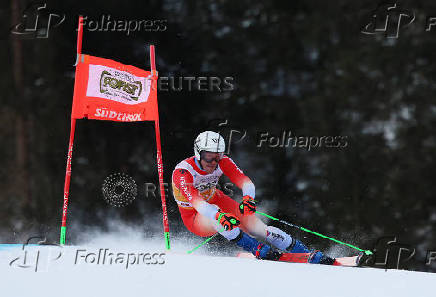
x,y
114,268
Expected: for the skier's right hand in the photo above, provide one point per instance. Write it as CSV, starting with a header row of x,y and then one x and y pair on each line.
x,y
227,220
247,206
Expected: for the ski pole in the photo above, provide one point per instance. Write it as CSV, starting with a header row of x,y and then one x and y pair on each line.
x,y
367,252
204,242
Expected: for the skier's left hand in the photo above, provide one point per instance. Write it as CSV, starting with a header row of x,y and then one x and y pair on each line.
x,y
247,206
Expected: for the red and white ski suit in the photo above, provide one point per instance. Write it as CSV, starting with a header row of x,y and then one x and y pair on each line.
x,y
190,183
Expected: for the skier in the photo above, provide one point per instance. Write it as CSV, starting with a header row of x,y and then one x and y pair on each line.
x,y
206,210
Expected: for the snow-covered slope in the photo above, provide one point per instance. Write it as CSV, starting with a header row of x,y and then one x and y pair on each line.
x,y
77,273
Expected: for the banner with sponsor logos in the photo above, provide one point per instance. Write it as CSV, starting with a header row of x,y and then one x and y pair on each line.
x,y
108,90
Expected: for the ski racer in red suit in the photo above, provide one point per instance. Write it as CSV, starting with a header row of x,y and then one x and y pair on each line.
x,y
206,210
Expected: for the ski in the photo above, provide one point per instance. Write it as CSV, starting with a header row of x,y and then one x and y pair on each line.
x,y
304,258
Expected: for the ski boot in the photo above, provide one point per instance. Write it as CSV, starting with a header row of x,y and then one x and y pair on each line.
x,y
313,256
258,249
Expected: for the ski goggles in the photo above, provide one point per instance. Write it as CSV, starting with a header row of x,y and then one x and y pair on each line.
x,y
217,157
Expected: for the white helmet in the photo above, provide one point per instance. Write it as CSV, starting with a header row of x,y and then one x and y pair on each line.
x,y
209,141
